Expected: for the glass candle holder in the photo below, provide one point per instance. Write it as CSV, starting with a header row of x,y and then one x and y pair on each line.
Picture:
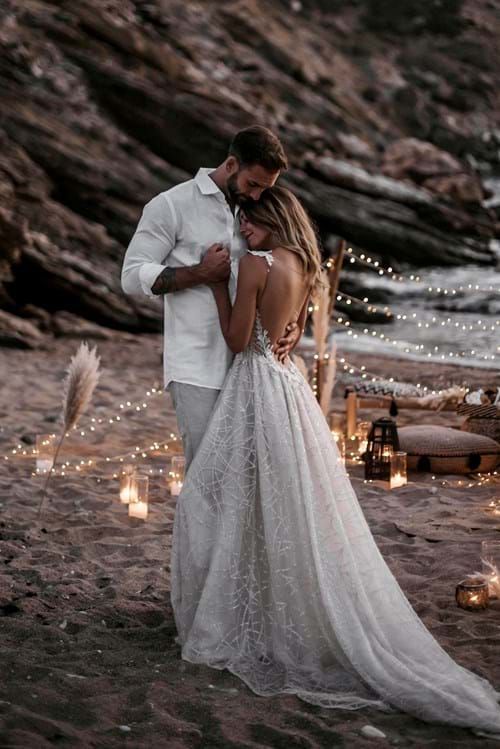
x,y
472,594
45,449
127,491
398,469
336,421
176,475
352,448
494,506
490,558
340,442
362,433
139,490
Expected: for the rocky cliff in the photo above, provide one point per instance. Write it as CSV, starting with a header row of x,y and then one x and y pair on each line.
x,y
389,112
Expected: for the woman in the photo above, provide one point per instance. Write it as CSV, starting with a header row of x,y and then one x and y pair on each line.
x,y
275,573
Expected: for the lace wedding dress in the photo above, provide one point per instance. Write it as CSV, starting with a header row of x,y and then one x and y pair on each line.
x,y
276,576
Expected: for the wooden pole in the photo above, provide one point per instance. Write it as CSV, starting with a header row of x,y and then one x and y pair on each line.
x,y
334,275
320,377
351,409
333,278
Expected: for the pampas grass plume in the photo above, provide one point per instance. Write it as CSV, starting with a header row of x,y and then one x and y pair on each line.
x,y
329,381
321,316
81,379
301,365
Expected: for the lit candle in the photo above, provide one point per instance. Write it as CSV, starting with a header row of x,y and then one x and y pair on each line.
x,y
138,505
398,470
362,433
490,557
175,488
44,452
138,510
340,442
472,594
397,480
352,448
128,491
176,475
494,507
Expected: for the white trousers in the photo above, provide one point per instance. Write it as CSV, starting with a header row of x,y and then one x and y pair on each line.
x,y
193,407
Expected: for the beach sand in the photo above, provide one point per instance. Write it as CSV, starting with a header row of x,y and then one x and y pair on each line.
x,y
88,657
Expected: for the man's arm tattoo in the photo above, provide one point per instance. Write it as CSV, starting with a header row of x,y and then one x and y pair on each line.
x,y
166,282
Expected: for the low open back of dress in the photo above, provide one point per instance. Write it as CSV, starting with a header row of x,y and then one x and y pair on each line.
x,y
286,282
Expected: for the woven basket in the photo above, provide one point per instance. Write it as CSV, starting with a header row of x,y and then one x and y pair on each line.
x,y
486,427
440,449
482,419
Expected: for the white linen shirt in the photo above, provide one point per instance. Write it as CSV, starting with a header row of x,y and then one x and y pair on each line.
x,y
175,230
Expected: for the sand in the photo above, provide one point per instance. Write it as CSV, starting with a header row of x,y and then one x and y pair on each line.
x,y
88,655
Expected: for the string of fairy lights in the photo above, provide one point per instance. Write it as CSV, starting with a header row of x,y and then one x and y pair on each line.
x,y
375,265
420,322
95,423
481,479
413,317
351,369
417,348
139,405
22,450
125,407
81,465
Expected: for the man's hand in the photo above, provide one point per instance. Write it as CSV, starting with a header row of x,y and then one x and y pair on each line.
x,y
216,264
214,268
284,345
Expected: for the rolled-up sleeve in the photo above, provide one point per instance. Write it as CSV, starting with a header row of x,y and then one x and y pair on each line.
x,y
151,244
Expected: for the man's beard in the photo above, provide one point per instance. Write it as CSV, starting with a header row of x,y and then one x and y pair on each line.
x,y
232,189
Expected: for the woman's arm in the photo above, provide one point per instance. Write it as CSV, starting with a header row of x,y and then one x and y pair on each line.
x,y
237,322
301,322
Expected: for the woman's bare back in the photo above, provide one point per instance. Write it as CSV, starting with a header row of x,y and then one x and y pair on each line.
x,y
285,291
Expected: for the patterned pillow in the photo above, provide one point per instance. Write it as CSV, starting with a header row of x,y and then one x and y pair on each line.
x,y
443,450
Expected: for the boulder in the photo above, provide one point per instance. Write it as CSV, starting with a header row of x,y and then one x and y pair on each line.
x,y
19,333
65,324
433,168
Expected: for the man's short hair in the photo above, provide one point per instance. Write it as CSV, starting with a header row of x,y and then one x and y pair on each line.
x,y
259,145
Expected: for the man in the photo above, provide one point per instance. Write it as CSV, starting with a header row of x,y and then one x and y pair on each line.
x,y
168,255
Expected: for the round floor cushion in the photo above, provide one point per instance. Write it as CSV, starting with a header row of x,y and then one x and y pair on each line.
x,y
443,450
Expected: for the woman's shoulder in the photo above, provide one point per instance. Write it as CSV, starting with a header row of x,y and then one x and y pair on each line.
x,y
252,269
253,258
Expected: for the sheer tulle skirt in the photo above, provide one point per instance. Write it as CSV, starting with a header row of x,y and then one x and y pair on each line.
x,y
276,575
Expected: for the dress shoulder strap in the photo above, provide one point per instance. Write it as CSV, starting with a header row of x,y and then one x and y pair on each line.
x,y
266,254
269,258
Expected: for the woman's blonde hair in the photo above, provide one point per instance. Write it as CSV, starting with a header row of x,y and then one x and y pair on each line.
x,y
282,213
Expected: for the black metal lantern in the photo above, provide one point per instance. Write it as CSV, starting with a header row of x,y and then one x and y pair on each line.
x,y
383,441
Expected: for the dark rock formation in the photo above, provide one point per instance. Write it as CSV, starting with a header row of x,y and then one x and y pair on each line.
x,y
434,169
104,105
416,16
